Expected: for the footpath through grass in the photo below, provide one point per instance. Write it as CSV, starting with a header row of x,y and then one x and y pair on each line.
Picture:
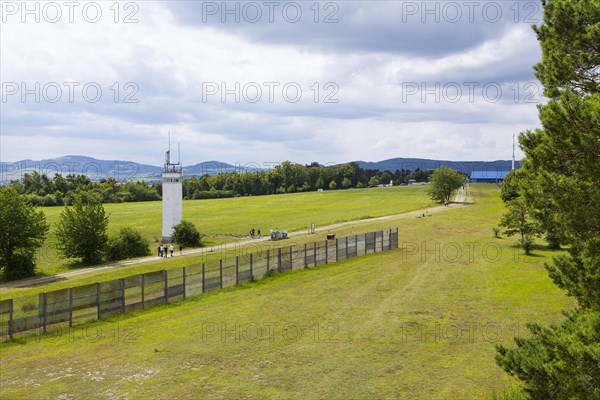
x,y
418,322
229,220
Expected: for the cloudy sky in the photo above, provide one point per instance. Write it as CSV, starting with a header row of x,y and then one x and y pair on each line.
x,y
262,82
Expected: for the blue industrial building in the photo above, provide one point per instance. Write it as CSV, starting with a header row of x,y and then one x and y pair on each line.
x,y
488,176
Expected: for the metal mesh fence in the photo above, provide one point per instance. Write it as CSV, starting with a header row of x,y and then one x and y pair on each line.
x,y
55,309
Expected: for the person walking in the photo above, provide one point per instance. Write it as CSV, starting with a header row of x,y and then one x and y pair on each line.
x,y
172,248
160,250
180,249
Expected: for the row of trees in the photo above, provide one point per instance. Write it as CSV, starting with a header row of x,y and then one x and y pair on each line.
x,y
81,234
287,177
557,191
43,191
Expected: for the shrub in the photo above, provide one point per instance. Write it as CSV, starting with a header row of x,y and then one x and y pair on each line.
x,y
186,234
496,232
553,239
21,266
526,242
129,243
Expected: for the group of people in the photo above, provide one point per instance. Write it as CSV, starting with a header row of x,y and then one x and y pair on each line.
x,y
163,250
254,233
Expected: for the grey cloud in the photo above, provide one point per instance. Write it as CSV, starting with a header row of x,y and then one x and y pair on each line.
x,y
415,28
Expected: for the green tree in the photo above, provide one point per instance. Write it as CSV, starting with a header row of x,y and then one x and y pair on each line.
x,y
518,221
511,185
346,183
81,231
386,177
374,181
129,243
444,183
332,185
23,230
569,39
320,184
562,166
185,233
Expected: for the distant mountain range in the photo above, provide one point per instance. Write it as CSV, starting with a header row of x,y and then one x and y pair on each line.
x,y
128,170
98,169
427,164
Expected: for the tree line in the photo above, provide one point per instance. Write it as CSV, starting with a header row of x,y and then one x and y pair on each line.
x,y
287,177
41,190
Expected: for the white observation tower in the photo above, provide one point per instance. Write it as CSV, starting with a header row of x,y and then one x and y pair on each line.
x,y
171,195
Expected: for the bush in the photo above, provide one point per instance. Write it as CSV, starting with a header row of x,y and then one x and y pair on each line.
x,y
212,194
553,240
20,266
496,232
527,243
186,234
129,243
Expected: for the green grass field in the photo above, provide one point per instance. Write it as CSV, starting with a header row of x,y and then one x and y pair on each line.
x,y
228,220
417,322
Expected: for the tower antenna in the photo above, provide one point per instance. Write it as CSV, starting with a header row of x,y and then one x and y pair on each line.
x,y
178,153
513,158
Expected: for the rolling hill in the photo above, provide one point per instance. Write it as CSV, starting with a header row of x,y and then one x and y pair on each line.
x,y
124,170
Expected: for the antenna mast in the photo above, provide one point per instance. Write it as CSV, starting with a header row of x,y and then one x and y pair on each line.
x,y
513,158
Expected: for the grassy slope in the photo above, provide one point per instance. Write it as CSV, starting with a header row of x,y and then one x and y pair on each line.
x,y
412,323
226,220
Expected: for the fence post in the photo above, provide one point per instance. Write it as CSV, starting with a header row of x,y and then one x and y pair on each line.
x,y
279,259
315,252
251,271
268,260
346,248
203,274
10,319
382,240
166,285
42,310
237,270
143,290
183,270
98,299
396,240
305,255
122,282
326,252
390,239
291,257
221,273
70,307
355,245
337,246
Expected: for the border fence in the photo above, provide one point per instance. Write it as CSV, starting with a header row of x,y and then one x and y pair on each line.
x,y
50,311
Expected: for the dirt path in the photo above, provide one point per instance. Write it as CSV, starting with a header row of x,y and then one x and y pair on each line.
x,y
460,200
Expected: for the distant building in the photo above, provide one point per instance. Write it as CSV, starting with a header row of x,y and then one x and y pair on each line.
x,y
488,176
